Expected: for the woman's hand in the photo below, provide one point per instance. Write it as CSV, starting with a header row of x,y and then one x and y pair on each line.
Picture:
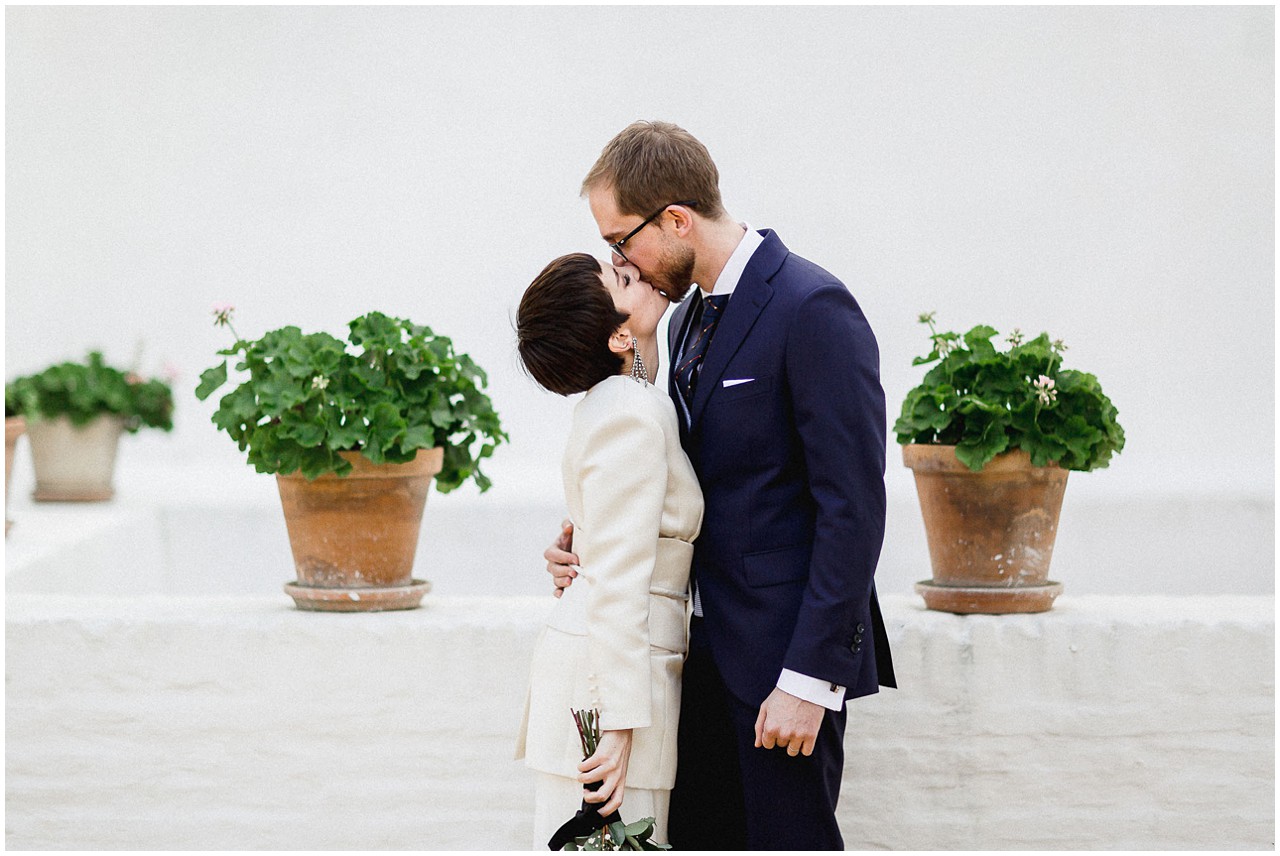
x,y
561,563
607,765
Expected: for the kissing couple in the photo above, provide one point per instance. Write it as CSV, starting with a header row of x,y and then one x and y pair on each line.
x,y
715,578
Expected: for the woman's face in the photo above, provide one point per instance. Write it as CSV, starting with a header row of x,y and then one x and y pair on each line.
x,y
634,297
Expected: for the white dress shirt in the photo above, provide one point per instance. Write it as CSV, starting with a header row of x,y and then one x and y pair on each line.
x,y
815,690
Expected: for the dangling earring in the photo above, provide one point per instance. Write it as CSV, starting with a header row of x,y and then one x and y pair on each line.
x,y
638,371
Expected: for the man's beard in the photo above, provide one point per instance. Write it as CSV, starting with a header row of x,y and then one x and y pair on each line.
x,y
675,276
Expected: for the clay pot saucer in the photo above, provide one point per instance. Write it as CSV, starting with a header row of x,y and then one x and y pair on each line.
x,y
318,599
966,600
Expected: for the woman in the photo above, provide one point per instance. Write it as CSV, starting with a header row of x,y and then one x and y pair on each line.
x,y
615,641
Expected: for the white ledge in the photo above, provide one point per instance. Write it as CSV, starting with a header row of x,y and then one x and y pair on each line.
x,y
232,722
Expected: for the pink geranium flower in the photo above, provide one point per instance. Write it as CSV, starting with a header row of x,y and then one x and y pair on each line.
x,y
1045,391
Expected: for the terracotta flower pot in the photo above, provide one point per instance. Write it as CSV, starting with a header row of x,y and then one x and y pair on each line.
x,y
354,537
14,427
990,533
74,463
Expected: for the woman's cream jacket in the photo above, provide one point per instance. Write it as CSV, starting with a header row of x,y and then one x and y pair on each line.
x,y
615,641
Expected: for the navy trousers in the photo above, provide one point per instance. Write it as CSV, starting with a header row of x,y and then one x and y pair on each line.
x,y
730,795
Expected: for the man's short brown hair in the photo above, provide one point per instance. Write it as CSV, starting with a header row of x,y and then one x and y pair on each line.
x,y
564,323
652,164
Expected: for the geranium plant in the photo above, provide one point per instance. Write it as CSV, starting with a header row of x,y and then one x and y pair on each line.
x,y
984,401
392,389
83,391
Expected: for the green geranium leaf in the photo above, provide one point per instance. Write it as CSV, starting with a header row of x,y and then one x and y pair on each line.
x,y
343,434
978,340
419,437
975,452
386,427
1044,449
372,376
236,411
317,461
306,433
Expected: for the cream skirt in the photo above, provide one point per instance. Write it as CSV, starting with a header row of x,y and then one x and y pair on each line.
x,y
557,798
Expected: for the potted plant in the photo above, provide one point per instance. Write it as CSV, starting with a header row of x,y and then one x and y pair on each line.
x,y
75,413
354,431
14,427
990,436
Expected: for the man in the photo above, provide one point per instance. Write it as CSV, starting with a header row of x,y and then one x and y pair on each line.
x,y
775,375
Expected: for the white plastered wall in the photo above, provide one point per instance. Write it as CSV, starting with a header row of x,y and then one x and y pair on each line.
x,y
1103,173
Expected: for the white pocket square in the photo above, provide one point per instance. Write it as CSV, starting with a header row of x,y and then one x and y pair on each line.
x,y
730,383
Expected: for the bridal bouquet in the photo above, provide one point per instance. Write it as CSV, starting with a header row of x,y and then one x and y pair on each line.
x,y
587,830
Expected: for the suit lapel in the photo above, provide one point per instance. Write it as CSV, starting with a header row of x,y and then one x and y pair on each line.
x,y
677,331
748,300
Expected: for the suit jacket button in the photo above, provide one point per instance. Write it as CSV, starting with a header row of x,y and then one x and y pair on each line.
x,y
861,628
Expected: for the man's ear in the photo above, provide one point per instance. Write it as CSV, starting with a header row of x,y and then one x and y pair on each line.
x,y
681,219
620,341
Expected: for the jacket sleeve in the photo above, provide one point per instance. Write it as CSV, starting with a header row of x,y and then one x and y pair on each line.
x,y
833,370
623,479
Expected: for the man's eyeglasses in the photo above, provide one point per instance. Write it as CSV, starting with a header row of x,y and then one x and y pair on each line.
x,y
617,245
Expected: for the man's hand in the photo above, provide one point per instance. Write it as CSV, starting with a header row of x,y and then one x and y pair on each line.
x,y
789,723
560,561
607,765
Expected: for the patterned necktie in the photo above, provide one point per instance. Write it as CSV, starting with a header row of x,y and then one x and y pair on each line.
x,y
688,370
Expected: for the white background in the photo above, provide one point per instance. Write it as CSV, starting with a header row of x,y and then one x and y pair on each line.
x,y
1106,174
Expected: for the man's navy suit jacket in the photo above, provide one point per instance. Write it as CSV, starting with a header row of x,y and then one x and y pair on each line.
x,y
791,462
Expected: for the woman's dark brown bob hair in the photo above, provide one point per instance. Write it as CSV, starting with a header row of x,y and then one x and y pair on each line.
x,y
564,323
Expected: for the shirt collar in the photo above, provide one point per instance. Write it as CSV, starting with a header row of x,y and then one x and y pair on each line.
x,y
732,273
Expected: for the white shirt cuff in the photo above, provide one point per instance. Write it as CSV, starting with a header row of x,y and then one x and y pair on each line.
x,y
825,693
